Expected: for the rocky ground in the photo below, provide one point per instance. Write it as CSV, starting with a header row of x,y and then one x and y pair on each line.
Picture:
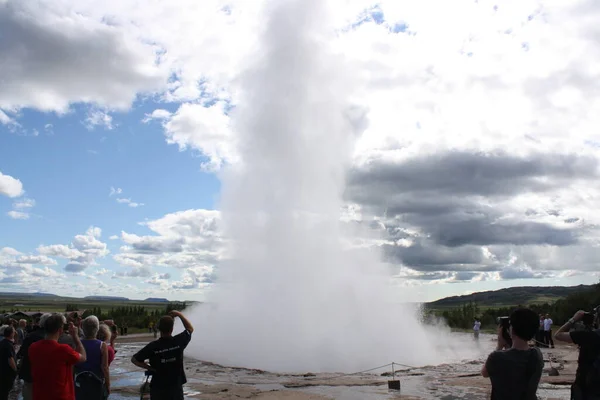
x,y
448,381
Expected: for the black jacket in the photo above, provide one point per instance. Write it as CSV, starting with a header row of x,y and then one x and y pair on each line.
x,y
23,355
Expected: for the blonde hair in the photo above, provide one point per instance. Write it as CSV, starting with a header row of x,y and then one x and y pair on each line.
x,y
104,333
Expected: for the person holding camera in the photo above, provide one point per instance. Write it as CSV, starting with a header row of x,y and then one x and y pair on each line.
x,y
52,363
515,373
166,358
587,377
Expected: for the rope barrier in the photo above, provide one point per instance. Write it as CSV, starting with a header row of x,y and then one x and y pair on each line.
x,y
407,366
311,378
354,373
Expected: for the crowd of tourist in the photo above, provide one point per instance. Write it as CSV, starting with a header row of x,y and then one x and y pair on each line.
x,y
56,359
69,360
59,359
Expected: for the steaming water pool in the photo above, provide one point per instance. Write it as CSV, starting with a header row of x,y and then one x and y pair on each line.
x,y
456,380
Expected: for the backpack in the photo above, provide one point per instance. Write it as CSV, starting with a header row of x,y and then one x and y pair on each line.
x,y
89,386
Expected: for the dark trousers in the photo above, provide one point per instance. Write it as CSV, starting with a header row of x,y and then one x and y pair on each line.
x,y
548,338
173,393
578,394
539,338
5,388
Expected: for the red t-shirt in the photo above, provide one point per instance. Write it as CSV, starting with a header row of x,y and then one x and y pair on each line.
x,y
52,370
111,354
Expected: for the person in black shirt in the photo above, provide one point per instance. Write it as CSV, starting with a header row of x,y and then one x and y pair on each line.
x,y
587,377
38,333
8,365
166,358
515,373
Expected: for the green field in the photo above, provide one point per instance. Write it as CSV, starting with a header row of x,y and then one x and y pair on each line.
x,y
59,304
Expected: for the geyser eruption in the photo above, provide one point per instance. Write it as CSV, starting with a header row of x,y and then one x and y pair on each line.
x,y
292,298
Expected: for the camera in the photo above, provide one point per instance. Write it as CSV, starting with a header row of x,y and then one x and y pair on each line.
x,y
588,319
504,322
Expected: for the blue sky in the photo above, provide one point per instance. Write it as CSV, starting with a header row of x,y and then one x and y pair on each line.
x,y
69,168
472,166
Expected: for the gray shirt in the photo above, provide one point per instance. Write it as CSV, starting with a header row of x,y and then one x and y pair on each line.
x,y
515,374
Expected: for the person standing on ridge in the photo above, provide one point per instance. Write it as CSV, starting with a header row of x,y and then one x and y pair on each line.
x,y
166,358
476,328
548,331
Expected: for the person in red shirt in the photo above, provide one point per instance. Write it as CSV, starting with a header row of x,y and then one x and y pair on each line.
x,y
52,363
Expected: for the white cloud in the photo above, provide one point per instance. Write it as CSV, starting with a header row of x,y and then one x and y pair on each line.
x,y
24,203
195,278
159,280
72,57
36,260
205,129
9,251
81,252
18,214
17,271
59,250
98,118
136,272
101,271
123,200
130,203
20,207
159,114
5,119
185,239
10,186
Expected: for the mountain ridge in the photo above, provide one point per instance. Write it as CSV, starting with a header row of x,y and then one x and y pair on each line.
x,y
516,295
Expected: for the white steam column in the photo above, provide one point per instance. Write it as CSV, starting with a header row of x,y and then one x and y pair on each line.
x,y
292,299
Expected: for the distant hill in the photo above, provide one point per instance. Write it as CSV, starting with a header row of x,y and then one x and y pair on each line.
x,y
523,295
17,294
106,298
156,300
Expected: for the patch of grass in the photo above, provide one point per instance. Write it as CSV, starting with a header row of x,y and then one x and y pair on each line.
x,y
54,304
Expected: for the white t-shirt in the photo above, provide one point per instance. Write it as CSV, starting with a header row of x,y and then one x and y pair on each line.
x,y
476,326
547,324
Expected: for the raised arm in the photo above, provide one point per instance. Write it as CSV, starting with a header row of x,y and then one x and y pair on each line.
x,y
74,332
186,323
562,334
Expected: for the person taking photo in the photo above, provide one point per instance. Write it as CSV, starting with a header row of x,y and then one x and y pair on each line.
x,y
515,373
52,363
587,377
166,358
